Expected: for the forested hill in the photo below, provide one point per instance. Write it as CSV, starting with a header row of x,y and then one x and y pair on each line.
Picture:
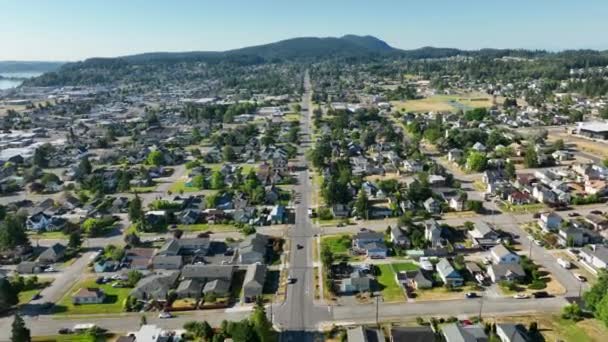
x,y
349,48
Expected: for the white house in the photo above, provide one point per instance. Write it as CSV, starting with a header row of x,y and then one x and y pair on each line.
x,y
501,255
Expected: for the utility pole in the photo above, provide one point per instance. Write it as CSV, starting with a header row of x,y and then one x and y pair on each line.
x,y
480,306
377,306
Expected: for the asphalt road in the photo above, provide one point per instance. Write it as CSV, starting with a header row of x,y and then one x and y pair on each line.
x,y
298,317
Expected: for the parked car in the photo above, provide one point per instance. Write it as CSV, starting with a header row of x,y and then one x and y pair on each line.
x,y
580,277
564,263
596,212
521,296
541,294
291,280
64,331
574,214
165,314
470,295
36,296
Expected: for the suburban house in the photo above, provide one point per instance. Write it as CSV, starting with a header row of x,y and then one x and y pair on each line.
x,y
363,334
432,233
571,236
357,282
412,334
483,235
511,332
432,206
456,332
167,262
370,243
510,272
185,246
52,254
597,221
189,288
549,221
596,256
253,285
448,274
253,249
501,255
398,238
455,154
155,286
88,296
139,258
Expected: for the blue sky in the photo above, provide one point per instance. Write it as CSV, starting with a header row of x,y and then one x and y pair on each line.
x,y
74,30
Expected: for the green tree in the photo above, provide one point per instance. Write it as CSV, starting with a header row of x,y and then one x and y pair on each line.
x,y
136,213
531,157
476,161
596,292
75,241
20,333
362,204
510,170
572,312
217,180
8,294
260,322
12,233
84,168
228,153
601,310
155,158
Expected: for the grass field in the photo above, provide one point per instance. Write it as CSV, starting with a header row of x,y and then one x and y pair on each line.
x,y
143,189
113,303
391,291
338,244
292,117
523,208
445,103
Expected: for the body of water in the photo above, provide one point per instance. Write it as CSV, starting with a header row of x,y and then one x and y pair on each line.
x,y
12,83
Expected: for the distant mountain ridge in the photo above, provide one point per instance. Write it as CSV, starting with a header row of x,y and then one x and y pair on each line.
x,y
302,49
28,66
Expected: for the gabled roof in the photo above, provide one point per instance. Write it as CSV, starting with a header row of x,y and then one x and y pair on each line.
x,y
207,271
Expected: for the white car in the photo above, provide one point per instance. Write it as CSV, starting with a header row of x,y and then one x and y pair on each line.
x,y
580,278
49,269
538,242
521,296
165,314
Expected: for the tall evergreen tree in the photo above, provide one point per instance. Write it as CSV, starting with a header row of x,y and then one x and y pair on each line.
x,y
20,333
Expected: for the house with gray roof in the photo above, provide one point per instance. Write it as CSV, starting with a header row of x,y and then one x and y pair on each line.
x,y
363,334
218,287
208,272
511,332
253,285
155,286
412,334
52,254
448,274
189,288
167,262
455,332
253,249
356,283
510,272
185,246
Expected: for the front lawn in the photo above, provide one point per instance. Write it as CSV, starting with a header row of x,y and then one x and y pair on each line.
x,y
204,227
405,266
179,186
73,338
114,302
47,235
390,289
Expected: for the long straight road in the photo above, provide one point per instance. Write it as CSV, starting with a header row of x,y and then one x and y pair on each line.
x,y
298,317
